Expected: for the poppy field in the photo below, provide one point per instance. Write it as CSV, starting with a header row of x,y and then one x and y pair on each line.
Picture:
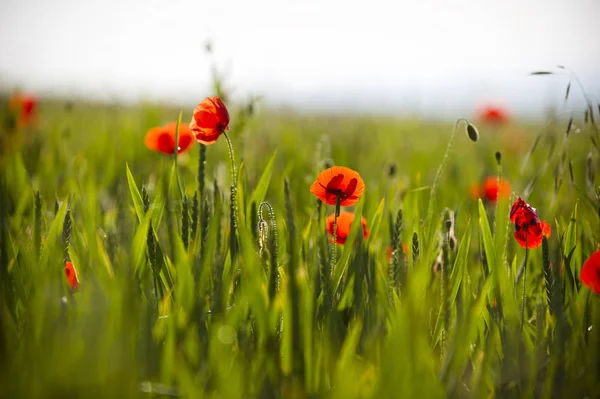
x,y
272,254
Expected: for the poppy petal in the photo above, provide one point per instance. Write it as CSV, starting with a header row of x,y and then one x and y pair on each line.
x,y
545,229
351,187
71,275
209,120
590,272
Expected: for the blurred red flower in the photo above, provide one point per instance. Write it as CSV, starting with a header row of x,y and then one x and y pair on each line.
x,y
210,120
590,272
25,107
492,189
71,275
528,228
493,115
338,181
344,222
163,138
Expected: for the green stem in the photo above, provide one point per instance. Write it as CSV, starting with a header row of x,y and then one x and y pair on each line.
x,y
176,151
524,282
233,196
201,170
334,248
439,172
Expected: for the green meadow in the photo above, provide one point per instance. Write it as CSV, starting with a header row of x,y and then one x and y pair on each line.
x,y
191,284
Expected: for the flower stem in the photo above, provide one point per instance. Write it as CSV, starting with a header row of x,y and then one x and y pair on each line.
x,y
333,259
524,282
439,172
233,202
175,152
201,170
231,156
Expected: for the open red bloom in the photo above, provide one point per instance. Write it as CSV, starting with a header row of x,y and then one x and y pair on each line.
x,y
71,275
338,181
590,272
493,115
163,138
492,189
25,106
528,227
344,222
210,120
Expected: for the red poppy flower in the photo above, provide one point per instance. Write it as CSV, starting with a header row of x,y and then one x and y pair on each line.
x,y
25,106
210,120
163,138
493,115
338,181
528,227
492,188
71,275
590,272
344,222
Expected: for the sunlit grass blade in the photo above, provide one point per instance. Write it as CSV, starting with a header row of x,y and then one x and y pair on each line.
x,y
136,197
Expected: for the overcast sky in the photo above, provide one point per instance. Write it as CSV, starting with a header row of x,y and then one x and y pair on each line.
x,y
405,56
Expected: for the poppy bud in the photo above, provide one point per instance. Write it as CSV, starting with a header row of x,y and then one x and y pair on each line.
x,y
391,169
498,157
472,132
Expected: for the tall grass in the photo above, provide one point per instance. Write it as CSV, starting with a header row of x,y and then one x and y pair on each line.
x,y
184,293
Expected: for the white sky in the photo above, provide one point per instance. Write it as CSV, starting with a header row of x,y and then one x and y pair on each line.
x,y
401,55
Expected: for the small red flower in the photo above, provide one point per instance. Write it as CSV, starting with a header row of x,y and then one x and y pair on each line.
x,y
338,181
344,222
528,228
163,138
493,115
71,275
492,189
210,120
590,272
25,106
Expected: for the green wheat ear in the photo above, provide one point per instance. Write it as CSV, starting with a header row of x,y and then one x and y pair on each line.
x,y
66,233
268,246
415,247
396,272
